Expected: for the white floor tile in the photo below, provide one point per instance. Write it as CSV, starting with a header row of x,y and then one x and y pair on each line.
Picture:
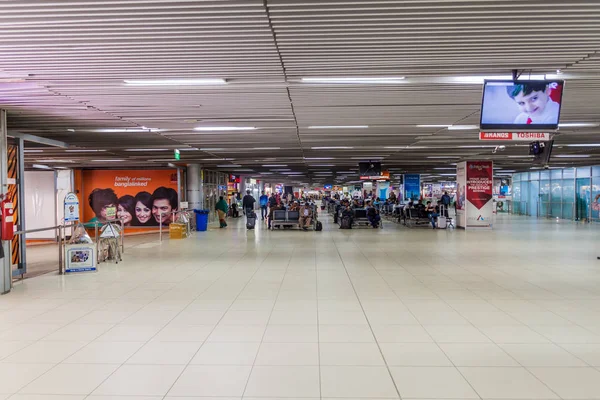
x,y
571,383
291,334
506,383
350,354
293,318
164,353
226,353
184,333
431,383
590,353
542,355
8,347
306,354
206,381
45,352
456,334
513,334
345,334
105,353
342,318
130,333
401,334
477,355
357,382
15,376
237,333
140,380
71,379
414,354
283,381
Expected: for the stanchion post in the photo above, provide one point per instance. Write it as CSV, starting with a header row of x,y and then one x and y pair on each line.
x,y
60,250
122,236
160,227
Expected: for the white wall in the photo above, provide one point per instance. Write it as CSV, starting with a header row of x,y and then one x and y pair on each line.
x,y
40,203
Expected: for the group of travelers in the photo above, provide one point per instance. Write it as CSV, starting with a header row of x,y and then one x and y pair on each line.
x,y
346,209
268,205
432,211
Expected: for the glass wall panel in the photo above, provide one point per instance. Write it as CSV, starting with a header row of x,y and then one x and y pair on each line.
x,y
568,173
556,198
545,174
583,201
534,176
568,186
556,173
545,198
534,198
595,171
584,172
595,198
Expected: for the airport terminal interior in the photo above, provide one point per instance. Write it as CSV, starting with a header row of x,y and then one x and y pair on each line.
x,y
301,200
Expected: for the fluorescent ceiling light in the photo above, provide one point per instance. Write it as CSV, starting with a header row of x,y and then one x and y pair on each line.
x,y
519,156
433,126
338,127
174,82
318,158
224,128
332,148
446,168
443,157
274,165
281,169
578,125
109,160
229,166
83,151
323,165
266,173
462,127
479,79
366,159
355,80
572,156
447,174
212,149
477,147
292,173
148,149
217,159
40,166
125,130
584,145
506,170
56,161
189,149
33,151
266,148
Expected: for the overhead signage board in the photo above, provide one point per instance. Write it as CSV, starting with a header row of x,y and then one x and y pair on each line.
x,y
515,136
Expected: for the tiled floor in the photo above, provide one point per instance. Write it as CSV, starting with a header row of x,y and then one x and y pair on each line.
x,y
372,314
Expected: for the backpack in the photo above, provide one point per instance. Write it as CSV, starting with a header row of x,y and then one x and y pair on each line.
x,y
319,226
345,223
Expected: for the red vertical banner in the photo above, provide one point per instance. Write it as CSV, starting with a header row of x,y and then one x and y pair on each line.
x,y
479,183
12,158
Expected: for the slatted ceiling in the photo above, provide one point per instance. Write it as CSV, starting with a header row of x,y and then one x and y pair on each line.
x,y
75,54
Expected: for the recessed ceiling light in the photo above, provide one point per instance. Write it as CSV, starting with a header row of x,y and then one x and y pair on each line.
x,y
433,126
578,125
147,149
462,127
126,130
572,156
332,148
480,79
83,151
71,130
174,82
33,151
355,80
266,148
40,166
224,128
338,127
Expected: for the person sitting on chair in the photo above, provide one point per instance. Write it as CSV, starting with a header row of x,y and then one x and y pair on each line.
x,y
306,215
372,215
431,214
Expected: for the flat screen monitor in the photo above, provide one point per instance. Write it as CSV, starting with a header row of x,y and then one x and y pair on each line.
x,y
521,106
369,168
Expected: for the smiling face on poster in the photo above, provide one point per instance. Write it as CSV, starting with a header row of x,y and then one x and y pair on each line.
x,y
141,198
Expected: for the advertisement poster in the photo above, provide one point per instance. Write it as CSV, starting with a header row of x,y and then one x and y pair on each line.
x,y
479,188
80,258
461,182
141,197
412,186
71,207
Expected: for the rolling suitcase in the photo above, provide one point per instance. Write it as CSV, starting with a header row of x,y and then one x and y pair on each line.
x,y
345,223
250,220
442,222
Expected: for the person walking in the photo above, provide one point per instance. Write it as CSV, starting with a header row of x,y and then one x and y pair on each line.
x,y
263,200
446,203
222,209
248,202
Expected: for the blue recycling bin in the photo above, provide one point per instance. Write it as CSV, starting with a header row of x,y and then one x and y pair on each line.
x,y
201,220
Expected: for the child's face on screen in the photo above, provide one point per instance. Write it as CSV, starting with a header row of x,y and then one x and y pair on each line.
x,y
532,104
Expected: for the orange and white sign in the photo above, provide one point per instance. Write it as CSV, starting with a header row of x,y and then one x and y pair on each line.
x,y
515,136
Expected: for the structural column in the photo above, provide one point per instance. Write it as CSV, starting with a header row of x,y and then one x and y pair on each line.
x,y
195,186
5,263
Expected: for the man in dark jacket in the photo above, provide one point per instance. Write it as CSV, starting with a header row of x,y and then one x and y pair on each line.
x,y
445,200
248,202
